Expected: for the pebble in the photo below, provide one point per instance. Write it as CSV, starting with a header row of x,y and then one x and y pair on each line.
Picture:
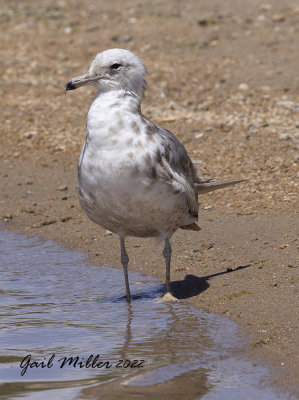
x,y
65,219
7,216
28,210
122,39
287,103
62,188
68,30
243,86
278,17
29,134
44,223
213,43
285,136
283,246
203,22
197,161
266,7
261,18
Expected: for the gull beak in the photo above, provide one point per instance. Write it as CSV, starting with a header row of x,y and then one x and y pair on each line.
x,y
81,80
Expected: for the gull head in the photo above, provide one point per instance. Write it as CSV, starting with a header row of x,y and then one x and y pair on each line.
x,y
114,69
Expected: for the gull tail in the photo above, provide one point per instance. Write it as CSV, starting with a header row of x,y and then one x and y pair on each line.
x,y
191,227
208,185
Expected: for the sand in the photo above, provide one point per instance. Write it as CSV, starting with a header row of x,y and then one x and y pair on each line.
x,y
224,79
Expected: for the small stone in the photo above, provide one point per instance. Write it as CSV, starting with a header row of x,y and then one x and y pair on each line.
x,y
62,188
65,219
107,233
197,161
48,222
283,246
68,30
265,88
7,216
243,86
261,18
44,223
287,103
213,43
278,17
203,22
266,7
28,210
122,39
285,136
29,134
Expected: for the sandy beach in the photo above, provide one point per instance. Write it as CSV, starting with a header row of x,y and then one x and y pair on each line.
x,y
224,79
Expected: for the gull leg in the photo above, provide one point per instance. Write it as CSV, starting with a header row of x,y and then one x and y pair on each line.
x,y
124,260
167,256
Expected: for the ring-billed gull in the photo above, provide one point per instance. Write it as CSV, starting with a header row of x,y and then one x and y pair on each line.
x,y
134,178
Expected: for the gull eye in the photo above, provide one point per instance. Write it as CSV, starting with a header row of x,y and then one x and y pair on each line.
x,y
115,66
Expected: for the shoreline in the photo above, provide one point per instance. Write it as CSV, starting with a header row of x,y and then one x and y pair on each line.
x,y
226,268
224,79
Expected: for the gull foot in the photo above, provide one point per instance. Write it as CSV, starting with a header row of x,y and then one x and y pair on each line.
x,y
167,297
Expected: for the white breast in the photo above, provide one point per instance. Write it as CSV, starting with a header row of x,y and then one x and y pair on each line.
x,y
118,186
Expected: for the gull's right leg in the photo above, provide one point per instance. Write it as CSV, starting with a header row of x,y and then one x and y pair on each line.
x,y
167,257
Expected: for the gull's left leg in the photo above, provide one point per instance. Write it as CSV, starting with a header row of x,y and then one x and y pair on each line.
x,y
167,257
125,260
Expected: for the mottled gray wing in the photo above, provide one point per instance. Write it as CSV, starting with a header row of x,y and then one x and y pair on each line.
x,y
176,162
176,155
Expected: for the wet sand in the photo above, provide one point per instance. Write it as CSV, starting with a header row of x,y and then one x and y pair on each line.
x,y
224,80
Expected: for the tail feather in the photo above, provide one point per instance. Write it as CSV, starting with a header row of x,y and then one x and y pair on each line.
x,y
208,185
191,227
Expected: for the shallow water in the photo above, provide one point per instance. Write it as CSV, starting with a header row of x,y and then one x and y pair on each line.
x,y
55,306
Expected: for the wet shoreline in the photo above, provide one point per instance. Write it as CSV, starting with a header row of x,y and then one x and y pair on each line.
x,y
157,344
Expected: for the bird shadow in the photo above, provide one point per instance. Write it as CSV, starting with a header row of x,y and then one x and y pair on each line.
x,y
193,285
190,286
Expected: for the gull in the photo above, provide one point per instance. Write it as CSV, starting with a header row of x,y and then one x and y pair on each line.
x,y
134,178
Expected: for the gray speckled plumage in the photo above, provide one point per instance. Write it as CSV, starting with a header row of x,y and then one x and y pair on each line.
x,y
134,178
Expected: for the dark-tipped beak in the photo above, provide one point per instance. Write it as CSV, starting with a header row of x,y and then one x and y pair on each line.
x,y
70,86
81,80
